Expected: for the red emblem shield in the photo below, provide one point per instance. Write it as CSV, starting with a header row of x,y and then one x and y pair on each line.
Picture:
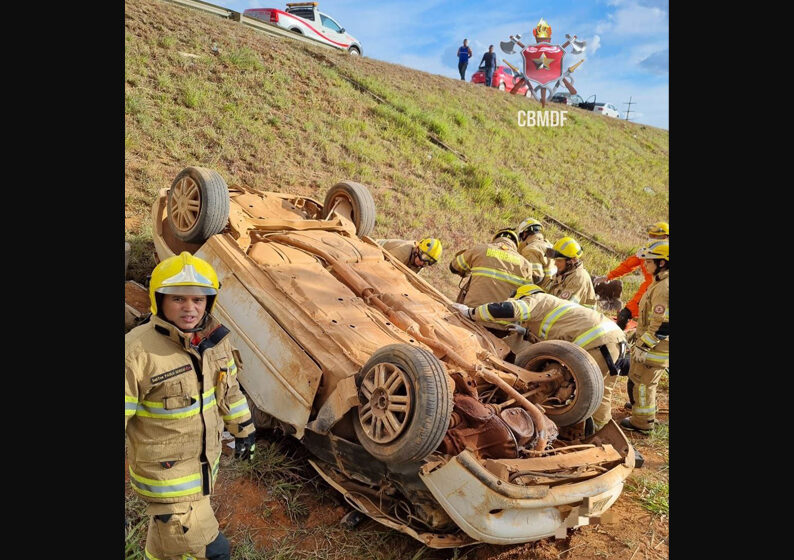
x,y
542,63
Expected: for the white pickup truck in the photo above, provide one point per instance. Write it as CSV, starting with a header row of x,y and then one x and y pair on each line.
x,y
306,19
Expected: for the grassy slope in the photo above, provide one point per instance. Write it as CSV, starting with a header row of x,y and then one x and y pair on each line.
x,y
276,115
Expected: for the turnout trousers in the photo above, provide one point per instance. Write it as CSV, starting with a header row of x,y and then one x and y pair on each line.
x,y
189,533
645,378
603,413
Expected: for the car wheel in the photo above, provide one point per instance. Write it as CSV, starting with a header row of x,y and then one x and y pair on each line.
x,y
406,404
501,86
198,204
578,368
354,51
353,201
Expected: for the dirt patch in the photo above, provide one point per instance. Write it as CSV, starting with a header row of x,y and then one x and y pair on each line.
x,y
136,297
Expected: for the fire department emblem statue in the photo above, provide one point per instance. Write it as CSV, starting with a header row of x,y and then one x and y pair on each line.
x,y
544,63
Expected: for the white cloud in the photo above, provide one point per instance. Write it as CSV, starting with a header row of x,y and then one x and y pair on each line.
x,y
593,45
635,19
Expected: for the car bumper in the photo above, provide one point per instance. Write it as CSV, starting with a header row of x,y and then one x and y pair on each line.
x,y
491,510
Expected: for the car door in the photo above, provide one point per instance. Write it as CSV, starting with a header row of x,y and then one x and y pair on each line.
x,y
508,78
333,31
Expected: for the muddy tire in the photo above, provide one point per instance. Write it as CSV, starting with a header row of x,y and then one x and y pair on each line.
x,y
198,204
354,201
406,404
578,366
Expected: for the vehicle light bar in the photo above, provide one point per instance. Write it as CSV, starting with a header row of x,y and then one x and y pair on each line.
x,y
290,4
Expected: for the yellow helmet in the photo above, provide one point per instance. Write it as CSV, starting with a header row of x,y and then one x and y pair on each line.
x,y
566,248
530,224
658,250
508,233
183,274
430,247
526,290
659,229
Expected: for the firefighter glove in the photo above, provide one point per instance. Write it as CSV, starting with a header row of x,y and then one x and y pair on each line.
x,y
462,309
244,447
622,365
639,354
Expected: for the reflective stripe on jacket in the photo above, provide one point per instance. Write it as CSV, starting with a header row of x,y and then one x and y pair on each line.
x,y
497,269
551,318
534,250
653,322
177,400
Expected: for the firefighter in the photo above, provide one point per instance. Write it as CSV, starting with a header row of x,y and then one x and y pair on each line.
x,y
650,352
532,246
572,281
550,318
657,231
496,269
180,391
414,254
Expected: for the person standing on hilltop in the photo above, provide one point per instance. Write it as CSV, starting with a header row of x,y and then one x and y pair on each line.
x,y
488,63
464,54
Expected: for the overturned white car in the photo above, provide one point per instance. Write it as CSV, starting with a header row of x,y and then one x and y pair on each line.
x,y
422,419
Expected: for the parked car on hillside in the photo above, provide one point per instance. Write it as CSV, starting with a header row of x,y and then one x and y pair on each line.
x,y
567,98
607,109
503,78
411,411
304,18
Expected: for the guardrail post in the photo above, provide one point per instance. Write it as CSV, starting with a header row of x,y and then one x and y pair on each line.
x,y
235,16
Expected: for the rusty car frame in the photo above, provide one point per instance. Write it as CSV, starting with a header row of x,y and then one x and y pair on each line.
x,y
422,419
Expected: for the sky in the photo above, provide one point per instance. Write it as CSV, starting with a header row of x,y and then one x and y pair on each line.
x,y
627,52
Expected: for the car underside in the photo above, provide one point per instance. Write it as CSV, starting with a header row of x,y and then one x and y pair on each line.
x,y
423,420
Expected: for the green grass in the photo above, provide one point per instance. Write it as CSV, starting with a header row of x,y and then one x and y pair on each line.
x,y
652,493
137,526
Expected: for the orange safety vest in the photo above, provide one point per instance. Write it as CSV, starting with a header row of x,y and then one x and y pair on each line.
x,y
624,268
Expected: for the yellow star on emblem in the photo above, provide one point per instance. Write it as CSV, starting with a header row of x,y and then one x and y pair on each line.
x,y
543,62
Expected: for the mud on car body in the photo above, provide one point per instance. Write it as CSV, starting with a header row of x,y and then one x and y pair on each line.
x,y
422,419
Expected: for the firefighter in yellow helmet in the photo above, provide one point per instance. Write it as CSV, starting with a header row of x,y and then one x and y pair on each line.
x,y
532,246
650,354
496,269
414,254
657,231
180,391
551,318
572,281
